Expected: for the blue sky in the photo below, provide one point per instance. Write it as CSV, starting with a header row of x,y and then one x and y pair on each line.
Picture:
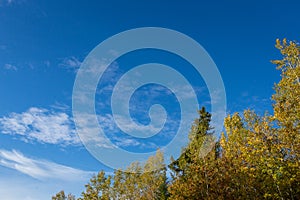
x,y
43,43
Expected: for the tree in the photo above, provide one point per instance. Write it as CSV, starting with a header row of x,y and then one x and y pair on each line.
x,y
257,157
142,181
287,115
61,196
191,171
138,181
154,179
98,188
264,151
199,132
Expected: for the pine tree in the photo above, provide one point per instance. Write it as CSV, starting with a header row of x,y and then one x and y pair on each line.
x,y
190,170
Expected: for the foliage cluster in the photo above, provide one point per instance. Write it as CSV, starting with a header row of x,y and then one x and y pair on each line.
x,y
257,157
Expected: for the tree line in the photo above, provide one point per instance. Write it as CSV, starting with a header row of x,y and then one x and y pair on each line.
x,y
257,157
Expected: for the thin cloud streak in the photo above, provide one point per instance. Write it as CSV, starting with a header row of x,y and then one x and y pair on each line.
x,y
10,67
41,169
71,62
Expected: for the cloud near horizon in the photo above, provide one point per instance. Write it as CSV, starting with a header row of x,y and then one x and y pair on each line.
x,y
41,169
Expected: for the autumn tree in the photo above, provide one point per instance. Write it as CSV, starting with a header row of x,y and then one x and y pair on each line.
x,y
262,152
98,188
192,172
257,157
61,196
142,181
139,181
287,115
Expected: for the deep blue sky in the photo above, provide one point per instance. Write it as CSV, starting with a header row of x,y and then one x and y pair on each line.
x,y
42,44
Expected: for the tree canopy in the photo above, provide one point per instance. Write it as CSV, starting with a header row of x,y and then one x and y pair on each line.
x,y
256,157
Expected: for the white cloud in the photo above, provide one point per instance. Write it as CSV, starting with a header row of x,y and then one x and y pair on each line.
x,y
41,169
133,128
41,125
127,142
47,63
60,106
145,96
89,130
36,179
71,63
10,67
10,2
56,127
15,187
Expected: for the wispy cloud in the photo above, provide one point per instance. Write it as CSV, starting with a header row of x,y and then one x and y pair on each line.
x,y
10,67
41,125
5,2
60,106
127,142
140,103
138,129
71,62
89,131
47,63
10,2
41,169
